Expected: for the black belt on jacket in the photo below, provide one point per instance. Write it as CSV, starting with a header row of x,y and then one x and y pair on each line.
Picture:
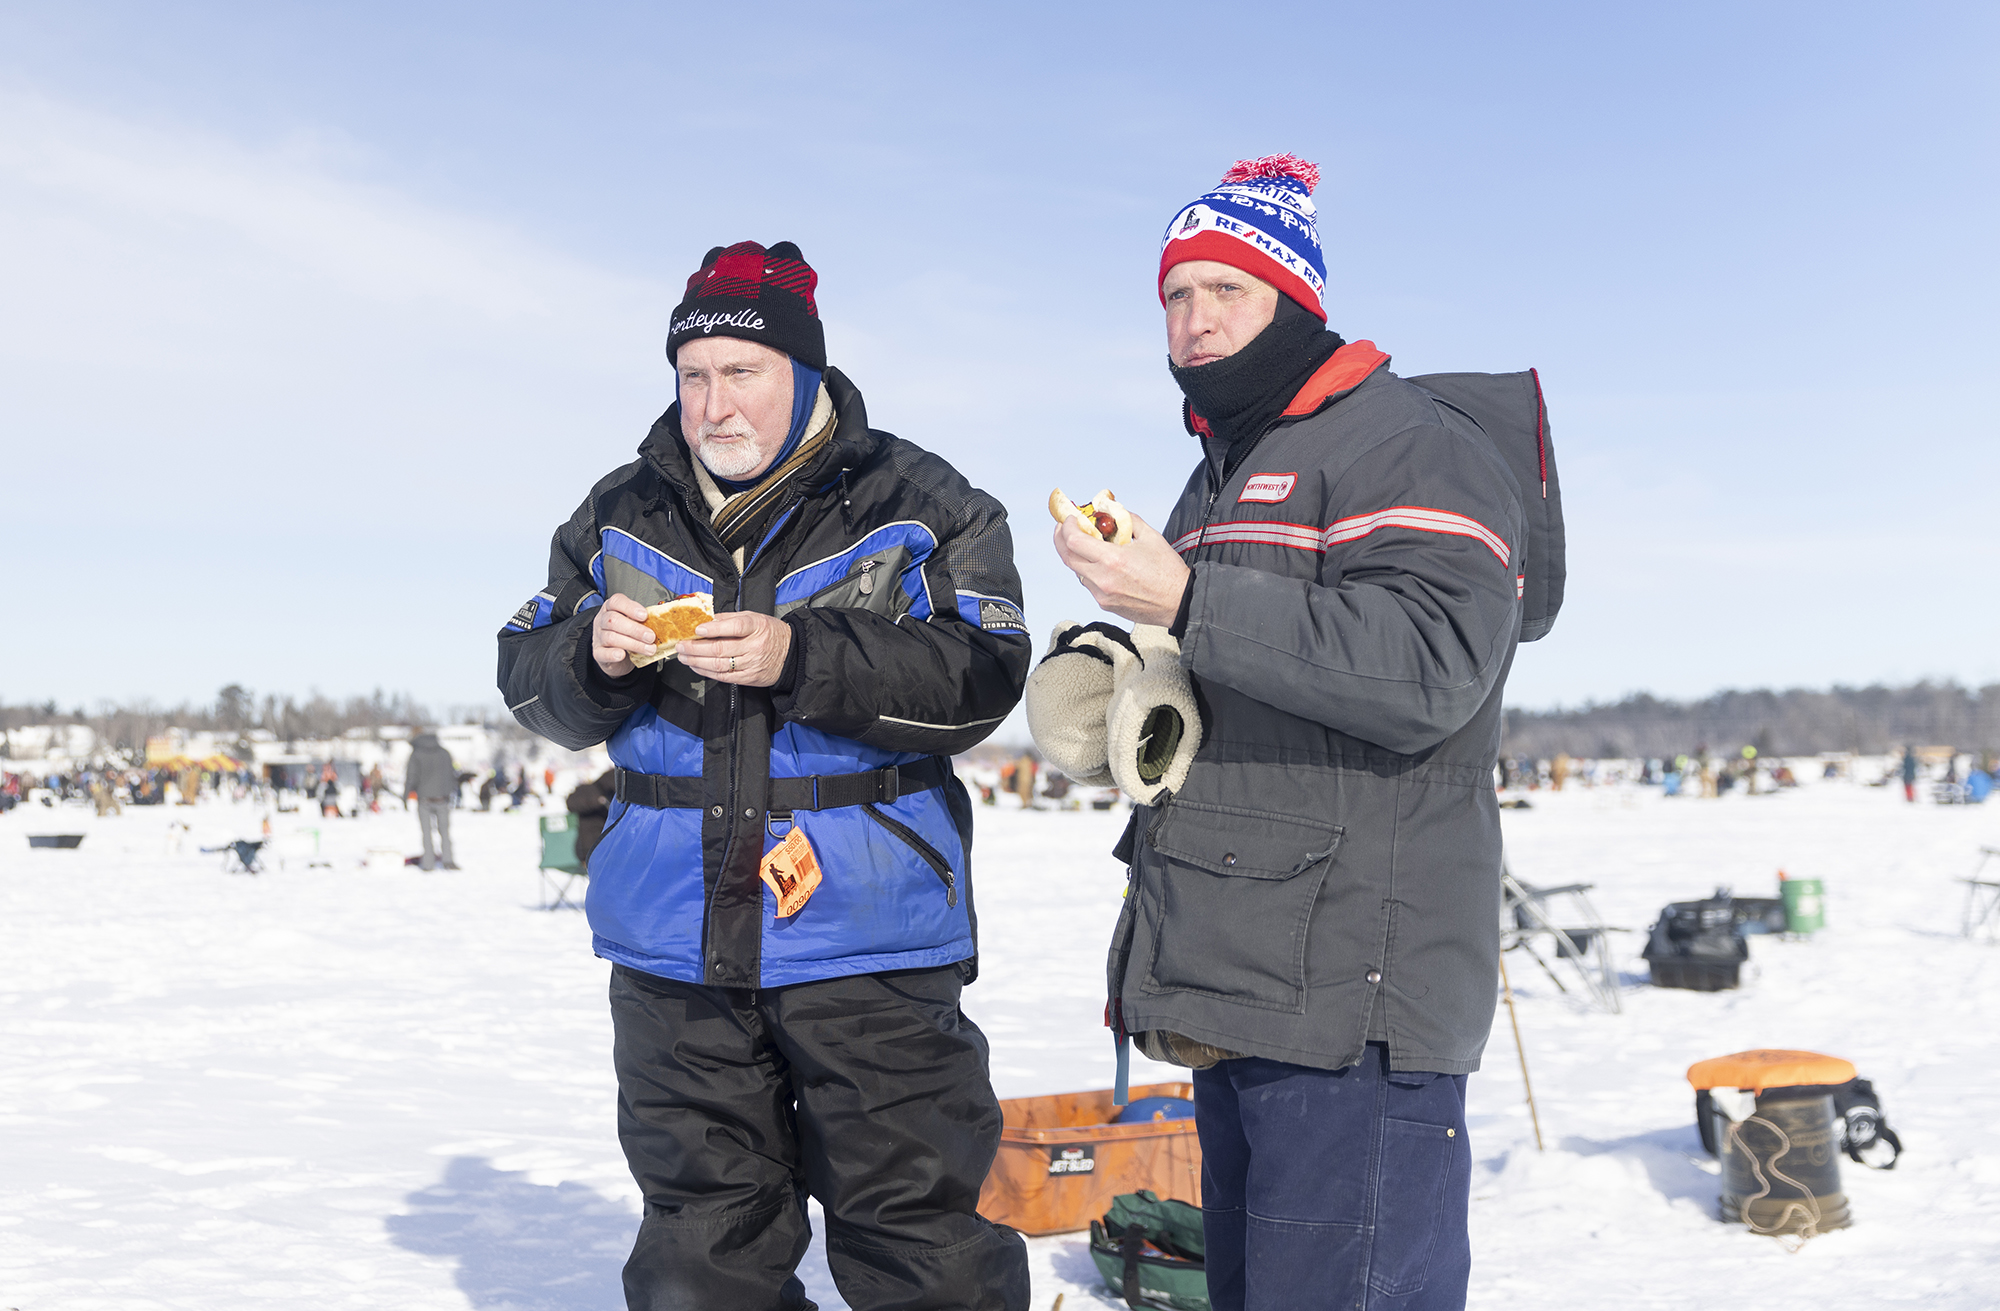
x,y
813,792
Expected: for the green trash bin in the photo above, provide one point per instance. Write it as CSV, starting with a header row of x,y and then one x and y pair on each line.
x,y
1805,905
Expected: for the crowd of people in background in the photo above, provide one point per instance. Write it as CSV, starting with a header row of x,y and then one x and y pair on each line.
x,y
1700,773
337,789
1703,773
1948,786
110,787
343,790
515,785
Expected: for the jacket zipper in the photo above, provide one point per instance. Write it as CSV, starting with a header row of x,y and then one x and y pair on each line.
x,y
615,822
1221,480
729,840
1541,433
925,851
735,749
735,736
864,571
736,699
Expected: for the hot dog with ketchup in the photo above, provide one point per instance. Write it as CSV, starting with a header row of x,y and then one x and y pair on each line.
x,y
1101,514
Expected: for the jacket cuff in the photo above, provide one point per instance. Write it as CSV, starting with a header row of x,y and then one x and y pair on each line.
x,y
788,677
1192,618
602,689
793,658
1178,629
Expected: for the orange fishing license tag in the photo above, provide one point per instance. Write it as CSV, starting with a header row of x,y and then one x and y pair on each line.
x,y
791,871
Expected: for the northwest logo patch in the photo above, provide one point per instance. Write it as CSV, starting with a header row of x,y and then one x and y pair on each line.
x,y
1269,488
1000,615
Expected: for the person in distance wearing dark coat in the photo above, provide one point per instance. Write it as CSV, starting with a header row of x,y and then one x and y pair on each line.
x,y
591,802
432,778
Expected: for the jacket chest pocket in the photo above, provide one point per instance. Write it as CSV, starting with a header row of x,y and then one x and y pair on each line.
x,y
1235,896
872,582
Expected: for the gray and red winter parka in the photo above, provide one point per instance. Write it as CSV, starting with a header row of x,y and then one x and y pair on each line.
x,y
897,578
1330,871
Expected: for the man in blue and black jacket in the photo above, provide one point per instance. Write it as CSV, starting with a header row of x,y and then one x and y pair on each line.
x,y
868,626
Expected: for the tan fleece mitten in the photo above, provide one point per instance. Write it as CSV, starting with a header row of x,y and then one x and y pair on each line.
x,y
1069,693
1153,726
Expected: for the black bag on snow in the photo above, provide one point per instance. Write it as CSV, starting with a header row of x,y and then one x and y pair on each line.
x,y
1150,1252
1509,408
1857,1109
1697,945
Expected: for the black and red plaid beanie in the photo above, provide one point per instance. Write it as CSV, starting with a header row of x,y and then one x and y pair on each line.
x,y
759,295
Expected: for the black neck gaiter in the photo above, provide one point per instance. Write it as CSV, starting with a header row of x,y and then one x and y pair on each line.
x,y
1239,396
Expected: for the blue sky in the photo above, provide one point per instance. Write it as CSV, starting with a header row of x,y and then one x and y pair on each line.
x,y
317,319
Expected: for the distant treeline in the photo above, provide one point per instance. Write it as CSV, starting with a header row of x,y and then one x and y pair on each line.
x,y
236,709
1870,720
1797,722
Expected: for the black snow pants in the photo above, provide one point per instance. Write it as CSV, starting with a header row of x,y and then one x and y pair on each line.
x,y
869,1092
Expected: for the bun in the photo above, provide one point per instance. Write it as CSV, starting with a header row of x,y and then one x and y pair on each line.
x,y
1103,514
673,622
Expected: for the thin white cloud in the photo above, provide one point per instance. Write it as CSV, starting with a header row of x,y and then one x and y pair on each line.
x,y
367,241
349,394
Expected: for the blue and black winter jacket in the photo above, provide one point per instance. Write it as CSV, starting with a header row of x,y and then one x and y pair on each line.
x,y
897,578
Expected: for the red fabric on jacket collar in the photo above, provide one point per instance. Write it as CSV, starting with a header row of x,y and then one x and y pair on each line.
x,y
1343,371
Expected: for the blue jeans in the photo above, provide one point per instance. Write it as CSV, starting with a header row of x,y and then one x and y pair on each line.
x,y
1333,1188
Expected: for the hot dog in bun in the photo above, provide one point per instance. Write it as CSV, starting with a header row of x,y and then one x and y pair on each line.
x,y
1102,514
673,622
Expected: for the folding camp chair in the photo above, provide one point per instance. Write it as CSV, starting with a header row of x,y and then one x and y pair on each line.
x,y
1530,915
1982,898
560,869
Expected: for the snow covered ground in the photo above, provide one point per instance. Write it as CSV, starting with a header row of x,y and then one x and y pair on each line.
x,y
341,1086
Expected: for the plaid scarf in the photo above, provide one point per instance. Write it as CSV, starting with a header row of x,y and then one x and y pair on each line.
x,y
743,518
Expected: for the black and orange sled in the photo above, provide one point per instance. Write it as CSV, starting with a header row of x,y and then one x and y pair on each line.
x,y
1061,1161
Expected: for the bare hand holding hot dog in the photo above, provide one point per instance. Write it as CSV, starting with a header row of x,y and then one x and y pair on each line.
x,y
1142,580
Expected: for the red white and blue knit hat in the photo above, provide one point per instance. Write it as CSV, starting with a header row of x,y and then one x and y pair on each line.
x,y
1260,218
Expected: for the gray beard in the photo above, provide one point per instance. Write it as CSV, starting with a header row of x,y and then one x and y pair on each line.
x,y
734,461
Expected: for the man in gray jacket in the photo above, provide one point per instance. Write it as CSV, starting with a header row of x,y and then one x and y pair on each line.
x,y
1311,921
433,780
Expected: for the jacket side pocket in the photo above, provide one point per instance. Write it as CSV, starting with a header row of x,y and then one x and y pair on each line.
x,y
925,851
1236,895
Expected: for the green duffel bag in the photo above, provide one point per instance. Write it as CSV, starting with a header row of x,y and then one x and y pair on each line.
x,y
1150,1252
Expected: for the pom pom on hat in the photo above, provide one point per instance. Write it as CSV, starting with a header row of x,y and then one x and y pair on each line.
x,y
1273,166
1260,218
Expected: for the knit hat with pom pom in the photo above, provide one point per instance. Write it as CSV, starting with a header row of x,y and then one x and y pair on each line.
x,y
1260,218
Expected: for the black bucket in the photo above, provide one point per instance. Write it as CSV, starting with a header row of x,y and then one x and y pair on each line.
x,y
1781,1166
